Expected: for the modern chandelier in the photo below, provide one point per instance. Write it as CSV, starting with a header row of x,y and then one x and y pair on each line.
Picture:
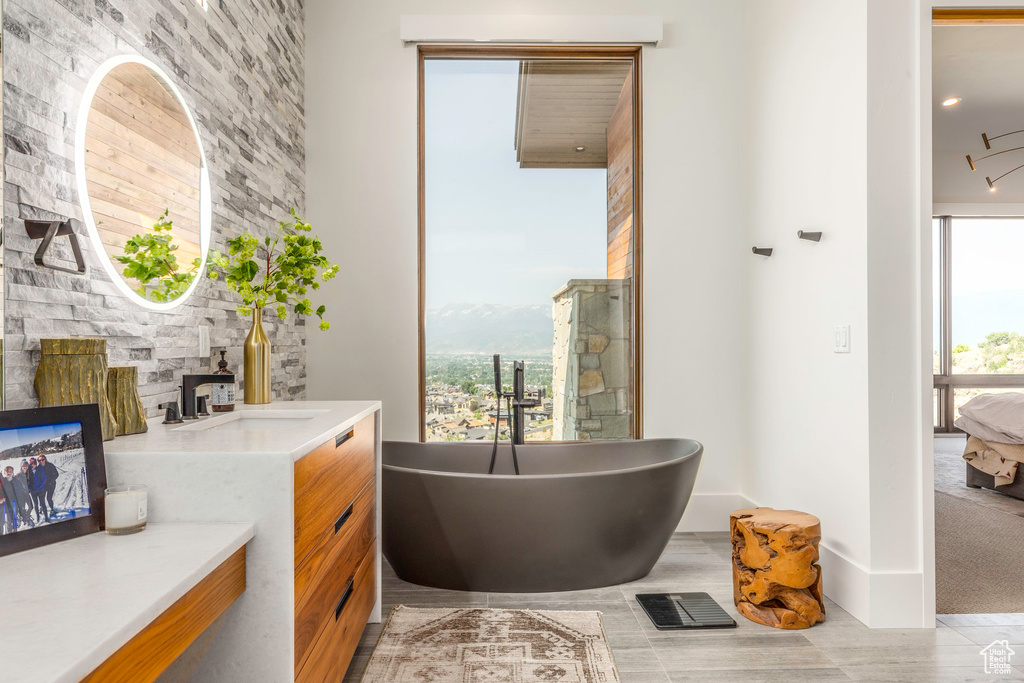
x,y
988,145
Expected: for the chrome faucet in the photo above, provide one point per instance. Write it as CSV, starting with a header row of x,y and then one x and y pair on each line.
x,y
189,384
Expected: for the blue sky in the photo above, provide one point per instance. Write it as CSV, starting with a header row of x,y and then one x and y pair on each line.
x,y
987,255
9,438
497,233
987,278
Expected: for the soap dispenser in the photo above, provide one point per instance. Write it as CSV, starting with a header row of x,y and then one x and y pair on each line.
x,y
222,394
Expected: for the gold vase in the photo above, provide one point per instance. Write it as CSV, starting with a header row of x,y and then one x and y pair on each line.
x,y
257,361
125,403
74,370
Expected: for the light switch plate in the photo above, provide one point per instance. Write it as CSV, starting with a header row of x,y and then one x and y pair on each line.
x,y
842,339
204,341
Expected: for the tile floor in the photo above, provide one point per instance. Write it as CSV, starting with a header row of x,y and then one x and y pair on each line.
x,y
840,649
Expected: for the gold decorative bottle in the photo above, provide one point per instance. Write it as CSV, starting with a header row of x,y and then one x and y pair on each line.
x,y
257,361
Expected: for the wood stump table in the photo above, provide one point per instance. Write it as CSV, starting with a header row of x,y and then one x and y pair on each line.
x,y
776,580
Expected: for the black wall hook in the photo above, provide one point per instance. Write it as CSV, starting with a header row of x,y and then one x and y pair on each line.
x,y
812,236
46,231
762,251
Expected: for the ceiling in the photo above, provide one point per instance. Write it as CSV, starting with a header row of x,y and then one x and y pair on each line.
x,y
564,105
984,65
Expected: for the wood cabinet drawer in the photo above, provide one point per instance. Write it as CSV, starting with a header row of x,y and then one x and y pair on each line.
x,y
329,657
323,575
327,481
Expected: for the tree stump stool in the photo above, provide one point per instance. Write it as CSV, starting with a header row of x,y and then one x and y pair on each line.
x,y
775,579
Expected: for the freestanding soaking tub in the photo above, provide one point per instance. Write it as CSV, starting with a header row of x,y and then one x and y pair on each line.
x,y
581,515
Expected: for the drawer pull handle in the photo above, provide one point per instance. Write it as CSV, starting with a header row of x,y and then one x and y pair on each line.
x,y
344,518
342,438
344,598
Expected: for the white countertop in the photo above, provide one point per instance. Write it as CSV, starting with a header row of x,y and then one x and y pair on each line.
x,y
69,606
293,438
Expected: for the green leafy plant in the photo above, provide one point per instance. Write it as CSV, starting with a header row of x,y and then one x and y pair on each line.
x,y
290,263
1002,349
149,258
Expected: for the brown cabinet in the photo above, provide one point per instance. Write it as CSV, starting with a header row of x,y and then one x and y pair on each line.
x,y
335,551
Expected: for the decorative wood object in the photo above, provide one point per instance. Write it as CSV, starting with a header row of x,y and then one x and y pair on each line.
x,y
125,403
144,657
75,371
775,579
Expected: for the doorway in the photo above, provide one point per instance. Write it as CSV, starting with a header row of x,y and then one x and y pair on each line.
x,y
977,310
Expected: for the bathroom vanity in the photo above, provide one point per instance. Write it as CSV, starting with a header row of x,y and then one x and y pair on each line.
x,y
118,608
307,475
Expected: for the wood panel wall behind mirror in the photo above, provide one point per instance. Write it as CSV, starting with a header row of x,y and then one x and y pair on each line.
x,y
144,167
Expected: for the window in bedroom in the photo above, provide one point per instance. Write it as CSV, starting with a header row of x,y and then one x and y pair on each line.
x,y
529,240
979,311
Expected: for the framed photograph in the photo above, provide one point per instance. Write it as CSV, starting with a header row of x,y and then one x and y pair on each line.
x,y
52,475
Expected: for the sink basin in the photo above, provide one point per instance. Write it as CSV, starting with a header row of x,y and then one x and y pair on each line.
x,y
253,420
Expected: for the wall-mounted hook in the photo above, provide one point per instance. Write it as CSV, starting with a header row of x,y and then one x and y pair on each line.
x,y
812,236
46,231
762,251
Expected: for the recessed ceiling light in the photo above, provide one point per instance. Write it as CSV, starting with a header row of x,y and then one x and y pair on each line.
x,y
580,148
952,101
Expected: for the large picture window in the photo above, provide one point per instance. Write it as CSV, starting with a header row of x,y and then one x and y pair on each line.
x,y
529,240
978,311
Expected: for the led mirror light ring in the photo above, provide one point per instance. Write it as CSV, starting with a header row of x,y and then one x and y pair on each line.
x,y
205,202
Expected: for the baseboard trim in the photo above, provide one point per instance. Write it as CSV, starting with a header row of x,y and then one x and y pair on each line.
x,y
876,599
710,511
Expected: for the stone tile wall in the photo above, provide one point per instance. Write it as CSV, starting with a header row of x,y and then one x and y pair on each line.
x,y
592,385
240,67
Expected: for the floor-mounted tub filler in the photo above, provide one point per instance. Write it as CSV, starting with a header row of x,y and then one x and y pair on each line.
x,y
579,515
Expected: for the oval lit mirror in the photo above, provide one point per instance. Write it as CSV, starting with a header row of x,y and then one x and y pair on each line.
x,y
143,182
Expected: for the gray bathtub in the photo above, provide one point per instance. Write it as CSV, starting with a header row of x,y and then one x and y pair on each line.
x,y
581,515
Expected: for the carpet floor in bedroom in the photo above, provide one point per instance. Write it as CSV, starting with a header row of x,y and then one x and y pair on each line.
x,y
979,541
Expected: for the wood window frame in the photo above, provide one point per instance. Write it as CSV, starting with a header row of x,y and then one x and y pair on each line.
x,y
537,52
978,17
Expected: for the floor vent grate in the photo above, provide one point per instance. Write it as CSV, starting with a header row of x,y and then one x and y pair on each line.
x,y
684,611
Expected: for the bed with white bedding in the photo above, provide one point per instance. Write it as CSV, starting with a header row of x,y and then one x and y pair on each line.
x,y
994,424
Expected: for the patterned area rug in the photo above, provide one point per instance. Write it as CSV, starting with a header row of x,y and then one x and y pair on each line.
x,y
481,645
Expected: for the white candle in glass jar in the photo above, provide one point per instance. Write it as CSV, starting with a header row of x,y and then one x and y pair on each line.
x,y
125,509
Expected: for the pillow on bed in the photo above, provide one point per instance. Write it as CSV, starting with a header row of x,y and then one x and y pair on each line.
x,y
1002,414
980,431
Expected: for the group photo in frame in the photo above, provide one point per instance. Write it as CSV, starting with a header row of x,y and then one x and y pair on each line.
x,y
52,475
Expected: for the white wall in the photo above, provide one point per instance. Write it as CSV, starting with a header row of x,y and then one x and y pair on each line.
x,y
899,303
806,125
833,141
940,208
361,193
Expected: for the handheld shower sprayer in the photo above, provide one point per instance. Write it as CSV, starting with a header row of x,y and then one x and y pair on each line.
x,y
498,395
